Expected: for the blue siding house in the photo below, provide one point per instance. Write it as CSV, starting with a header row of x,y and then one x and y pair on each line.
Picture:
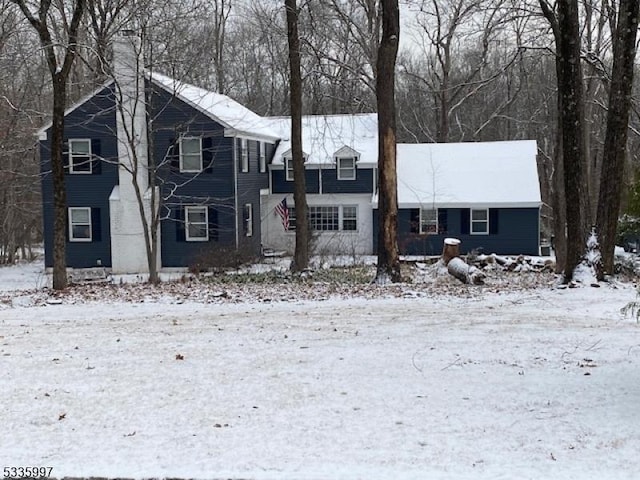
x,y
207,173
193,161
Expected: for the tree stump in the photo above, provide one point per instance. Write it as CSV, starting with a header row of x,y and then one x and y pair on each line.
x,y
451,250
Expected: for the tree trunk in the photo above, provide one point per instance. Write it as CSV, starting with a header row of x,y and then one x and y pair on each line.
x,y
566,30
301,254
388,259
573,144
59,77
558,201
59,190
615,143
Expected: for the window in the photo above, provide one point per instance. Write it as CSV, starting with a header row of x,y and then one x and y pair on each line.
x,y
328,218
244,155
80,224
480,222
288,167
190,154
346,168
197,224
80,156
324,218
292,219
428,220
350,218
248,220
263,157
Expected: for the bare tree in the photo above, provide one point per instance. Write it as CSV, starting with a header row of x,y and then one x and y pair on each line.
x,y
613,164
301,254
60,59
388,260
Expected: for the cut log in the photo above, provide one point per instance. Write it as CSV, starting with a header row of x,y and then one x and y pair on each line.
x,y
465,273
451,250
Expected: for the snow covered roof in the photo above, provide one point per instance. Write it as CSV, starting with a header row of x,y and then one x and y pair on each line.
x,y
237,118
488,174
325,135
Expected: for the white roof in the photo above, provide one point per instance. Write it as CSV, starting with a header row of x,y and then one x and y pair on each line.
x,y
324,135
487,174
236,118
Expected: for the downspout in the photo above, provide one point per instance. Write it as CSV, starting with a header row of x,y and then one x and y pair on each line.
x,y
235,195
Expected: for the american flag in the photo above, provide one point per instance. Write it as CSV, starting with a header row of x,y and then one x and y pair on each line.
x,y
282,210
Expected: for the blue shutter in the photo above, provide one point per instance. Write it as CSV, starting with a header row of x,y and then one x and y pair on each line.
x,y
96,227
207,154
96,161
493,221
465,221
173,154
414,220
181,235
213,224
443,220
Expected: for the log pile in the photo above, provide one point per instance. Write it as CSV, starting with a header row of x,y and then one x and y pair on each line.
x,y
471,270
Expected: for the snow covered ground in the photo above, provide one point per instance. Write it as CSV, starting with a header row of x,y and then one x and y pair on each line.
x,y
393,383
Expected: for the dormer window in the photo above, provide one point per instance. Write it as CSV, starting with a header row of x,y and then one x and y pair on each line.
x,y
287,159
288,167
346,168
191,154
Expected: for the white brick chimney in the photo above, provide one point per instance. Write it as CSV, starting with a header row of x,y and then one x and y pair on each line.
x,y
128,250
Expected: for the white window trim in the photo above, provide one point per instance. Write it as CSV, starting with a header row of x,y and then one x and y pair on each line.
x,y
342,229
263,157
422,232
182,169
71,156
355,161
244,155
472,221
288,168
292,219
188,237
71,224
249,220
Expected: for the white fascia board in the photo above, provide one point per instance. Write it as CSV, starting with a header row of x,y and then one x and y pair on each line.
x,y
232,132
42,132
479,206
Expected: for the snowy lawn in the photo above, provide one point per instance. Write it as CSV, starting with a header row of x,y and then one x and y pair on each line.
x,y
529,384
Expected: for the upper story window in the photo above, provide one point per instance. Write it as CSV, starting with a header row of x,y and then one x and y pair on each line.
x,y
263,157
346,168
196,223
191,154
429,220
80,224
80,156
288,167
480,221
244,155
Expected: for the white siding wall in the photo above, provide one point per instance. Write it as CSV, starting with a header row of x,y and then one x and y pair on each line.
x,y
358,242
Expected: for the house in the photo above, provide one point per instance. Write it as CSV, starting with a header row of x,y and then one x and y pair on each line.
x,y
486,194
201,156
216,173
341,158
